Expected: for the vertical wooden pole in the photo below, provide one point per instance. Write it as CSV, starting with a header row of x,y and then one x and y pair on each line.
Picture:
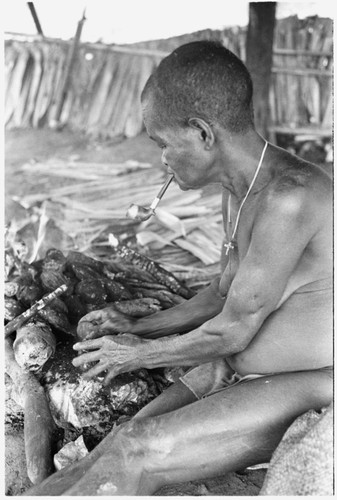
x,y
259,58
33,12
69,67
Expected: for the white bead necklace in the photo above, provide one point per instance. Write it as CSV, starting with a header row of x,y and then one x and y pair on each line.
x,y
229,246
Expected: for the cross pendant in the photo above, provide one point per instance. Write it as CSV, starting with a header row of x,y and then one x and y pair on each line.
x,y
229,246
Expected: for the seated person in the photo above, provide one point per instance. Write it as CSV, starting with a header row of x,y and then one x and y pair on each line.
x,y
258,340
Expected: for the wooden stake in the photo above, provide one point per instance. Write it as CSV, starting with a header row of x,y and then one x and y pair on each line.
x,y
32,311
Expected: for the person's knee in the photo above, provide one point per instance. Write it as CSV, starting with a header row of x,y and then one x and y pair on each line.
x,y
145,439
134,436
174,397
327,388
321,389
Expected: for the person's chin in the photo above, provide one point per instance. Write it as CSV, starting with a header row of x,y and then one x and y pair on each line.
x,y
182,185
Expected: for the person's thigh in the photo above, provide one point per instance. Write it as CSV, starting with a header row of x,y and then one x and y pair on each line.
x,y
174,397
230,430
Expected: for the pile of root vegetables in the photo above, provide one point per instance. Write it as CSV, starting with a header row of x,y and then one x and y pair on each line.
x,y
39,341
132,283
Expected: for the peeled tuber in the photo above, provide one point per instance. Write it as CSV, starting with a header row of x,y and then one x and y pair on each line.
x,y
35,343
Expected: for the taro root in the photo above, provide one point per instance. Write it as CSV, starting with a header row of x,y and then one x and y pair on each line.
x,y
112,267
41,435
24,279
9,265
34,344
54,260
159,295
91,329
13,308
122,316
11,288
52,279
94,307
29,294
116,291
79,258
59,305
28,289
36,267
158,272
76,309
142,283
91,291
138,308
56,318
84,272
52,275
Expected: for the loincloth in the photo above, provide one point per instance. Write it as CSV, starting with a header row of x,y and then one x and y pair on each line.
x,y
209,378
205,379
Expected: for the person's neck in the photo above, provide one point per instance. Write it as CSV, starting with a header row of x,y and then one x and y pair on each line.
x,y
242,155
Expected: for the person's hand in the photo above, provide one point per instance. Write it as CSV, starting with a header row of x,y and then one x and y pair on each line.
x,y
103,322
112,354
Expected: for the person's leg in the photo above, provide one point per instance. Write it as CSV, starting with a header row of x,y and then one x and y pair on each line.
x,y
227,431
174,397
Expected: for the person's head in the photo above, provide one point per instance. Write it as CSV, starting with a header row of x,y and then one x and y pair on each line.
x,y
198,95
201,80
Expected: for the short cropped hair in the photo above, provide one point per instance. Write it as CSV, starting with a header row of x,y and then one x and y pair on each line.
x,y
202,80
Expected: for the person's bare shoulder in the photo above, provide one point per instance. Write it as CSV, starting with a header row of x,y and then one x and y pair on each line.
x,y
300,194
291,172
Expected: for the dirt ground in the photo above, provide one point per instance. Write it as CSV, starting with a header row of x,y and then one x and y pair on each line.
x,y
22,146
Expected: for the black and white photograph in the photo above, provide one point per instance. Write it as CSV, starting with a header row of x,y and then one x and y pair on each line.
x,y
168,220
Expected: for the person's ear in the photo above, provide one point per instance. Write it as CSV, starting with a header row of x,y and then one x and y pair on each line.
x,y
205,130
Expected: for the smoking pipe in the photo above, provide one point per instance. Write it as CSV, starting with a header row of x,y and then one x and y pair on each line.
x,y
138,212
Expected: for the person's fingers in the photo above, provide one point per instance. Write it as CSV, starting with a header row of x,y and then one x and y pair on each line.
x,y
88,344
97,331
86,357
113,372
95,370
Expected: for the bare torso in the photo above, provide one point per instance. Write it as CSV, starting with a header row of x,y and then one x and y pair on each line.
x,y
298,334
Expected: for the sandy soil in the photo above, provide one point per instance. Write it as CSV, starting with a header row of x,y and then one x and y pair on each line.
x,y
22,146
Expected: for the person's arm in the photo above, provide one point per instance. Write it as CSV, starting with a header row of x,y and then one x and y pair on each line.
x,y
279,238
175,320
282,230
179,319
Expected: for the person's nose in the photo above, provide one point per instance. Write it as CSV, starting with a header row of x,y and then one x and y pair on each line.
x,y
163,159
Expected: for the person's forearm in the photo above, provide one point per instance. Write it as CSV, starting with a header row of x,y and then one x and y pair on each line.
x,y
191,349
183,317
224,335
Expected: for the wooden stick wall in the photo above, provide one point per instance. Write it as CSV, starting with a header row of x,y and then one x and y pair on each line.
x,y
104,96
301,90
